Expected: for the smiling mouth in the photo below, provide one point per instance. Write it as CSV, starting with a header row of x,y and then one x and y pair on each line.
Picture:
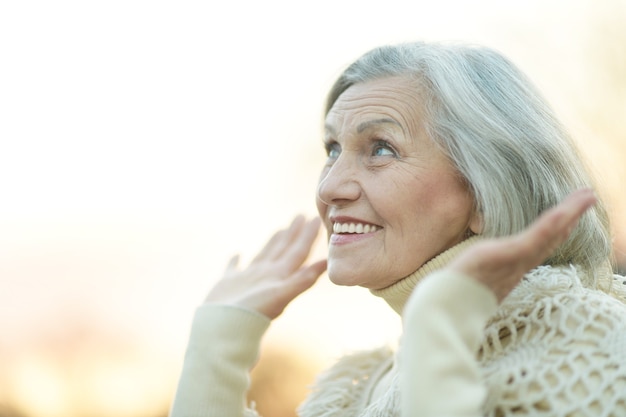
x,y
355,228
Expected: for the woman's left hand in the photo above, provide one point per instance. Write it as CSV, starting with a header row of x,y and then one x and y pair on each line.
x,y
500,263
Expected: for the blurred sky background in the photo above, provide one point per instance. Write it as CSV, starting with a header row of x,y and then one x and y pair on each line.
x,y
142,143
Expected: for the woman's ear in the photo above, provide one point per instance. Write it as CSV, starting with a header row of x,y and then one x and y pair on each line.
x,y
476,223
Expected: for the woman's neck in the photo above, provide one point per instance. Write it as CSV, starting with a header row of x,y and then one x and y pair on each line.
x,y
396,295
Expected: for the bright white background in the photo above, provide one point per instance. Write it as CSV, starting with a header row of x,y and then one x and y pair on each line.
x,y
142,143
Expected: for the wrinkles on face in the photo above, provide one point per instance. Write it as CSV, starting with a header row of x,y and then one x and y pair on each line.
x,y
384,169
353,107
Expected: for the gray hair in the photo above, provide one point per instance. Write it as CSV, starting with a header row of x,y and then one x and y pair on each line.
x,y
501,136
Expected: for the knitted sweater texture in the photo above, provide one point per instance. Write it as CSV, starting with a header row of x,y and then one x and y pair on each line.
x,y
553,347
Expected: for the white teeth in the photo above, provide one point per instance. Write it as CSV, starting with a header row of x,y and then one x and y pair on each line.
x,y
353,228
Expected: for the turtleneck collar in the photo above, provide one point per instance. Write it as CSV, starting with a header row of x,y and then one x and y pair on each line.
x,y
396,295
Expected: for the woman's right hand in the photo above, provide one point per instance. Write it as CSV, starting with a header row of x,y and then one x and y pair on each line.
x,y
276,275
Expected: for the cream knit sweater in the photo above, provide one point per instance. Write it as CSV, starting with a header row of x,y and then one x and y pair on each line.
x,y
552,348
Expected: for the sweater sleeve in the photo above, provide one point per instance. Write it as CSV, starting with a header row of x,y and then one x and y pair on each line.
x,y
444,321
223,346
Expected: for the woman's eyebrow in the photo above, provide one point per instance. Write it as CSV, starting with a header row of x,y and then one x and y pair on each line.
x,y
366,125
328,128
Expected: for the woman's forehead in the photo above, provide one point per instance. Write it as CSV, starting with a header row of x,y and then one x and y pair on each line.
x,y
387,102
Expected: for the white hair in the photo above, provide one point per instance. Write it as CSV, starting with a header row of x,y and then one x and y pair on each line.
x,y
499,133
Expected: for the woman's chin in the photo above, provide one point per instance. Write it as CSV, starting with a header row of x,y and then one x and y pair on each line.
x,y
348,279
344,283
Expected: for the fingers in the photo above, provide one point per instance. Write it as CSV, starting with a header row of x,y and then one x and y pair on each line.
x,y
280,241
502,262
554,227
306,277
287,250
299,282
574,206
299,249
276,275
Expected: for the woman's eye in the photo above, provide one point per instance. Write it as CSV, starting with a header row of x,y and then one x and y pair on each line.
x,y
382,148
333,150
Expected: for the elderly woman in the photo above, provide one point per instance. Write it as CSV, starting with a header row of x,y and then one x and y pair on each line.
x,y
451,191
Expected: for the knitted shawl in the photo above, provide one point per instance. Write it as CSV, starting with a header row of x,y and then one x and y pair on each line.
x,y
549,340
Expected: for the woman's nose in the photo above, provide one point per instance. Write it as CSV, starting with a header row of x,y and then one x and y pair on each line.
x,y
339,184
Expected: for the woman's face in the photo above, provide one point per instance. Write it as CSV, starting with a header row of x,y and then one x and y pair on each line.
x,y
389,198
